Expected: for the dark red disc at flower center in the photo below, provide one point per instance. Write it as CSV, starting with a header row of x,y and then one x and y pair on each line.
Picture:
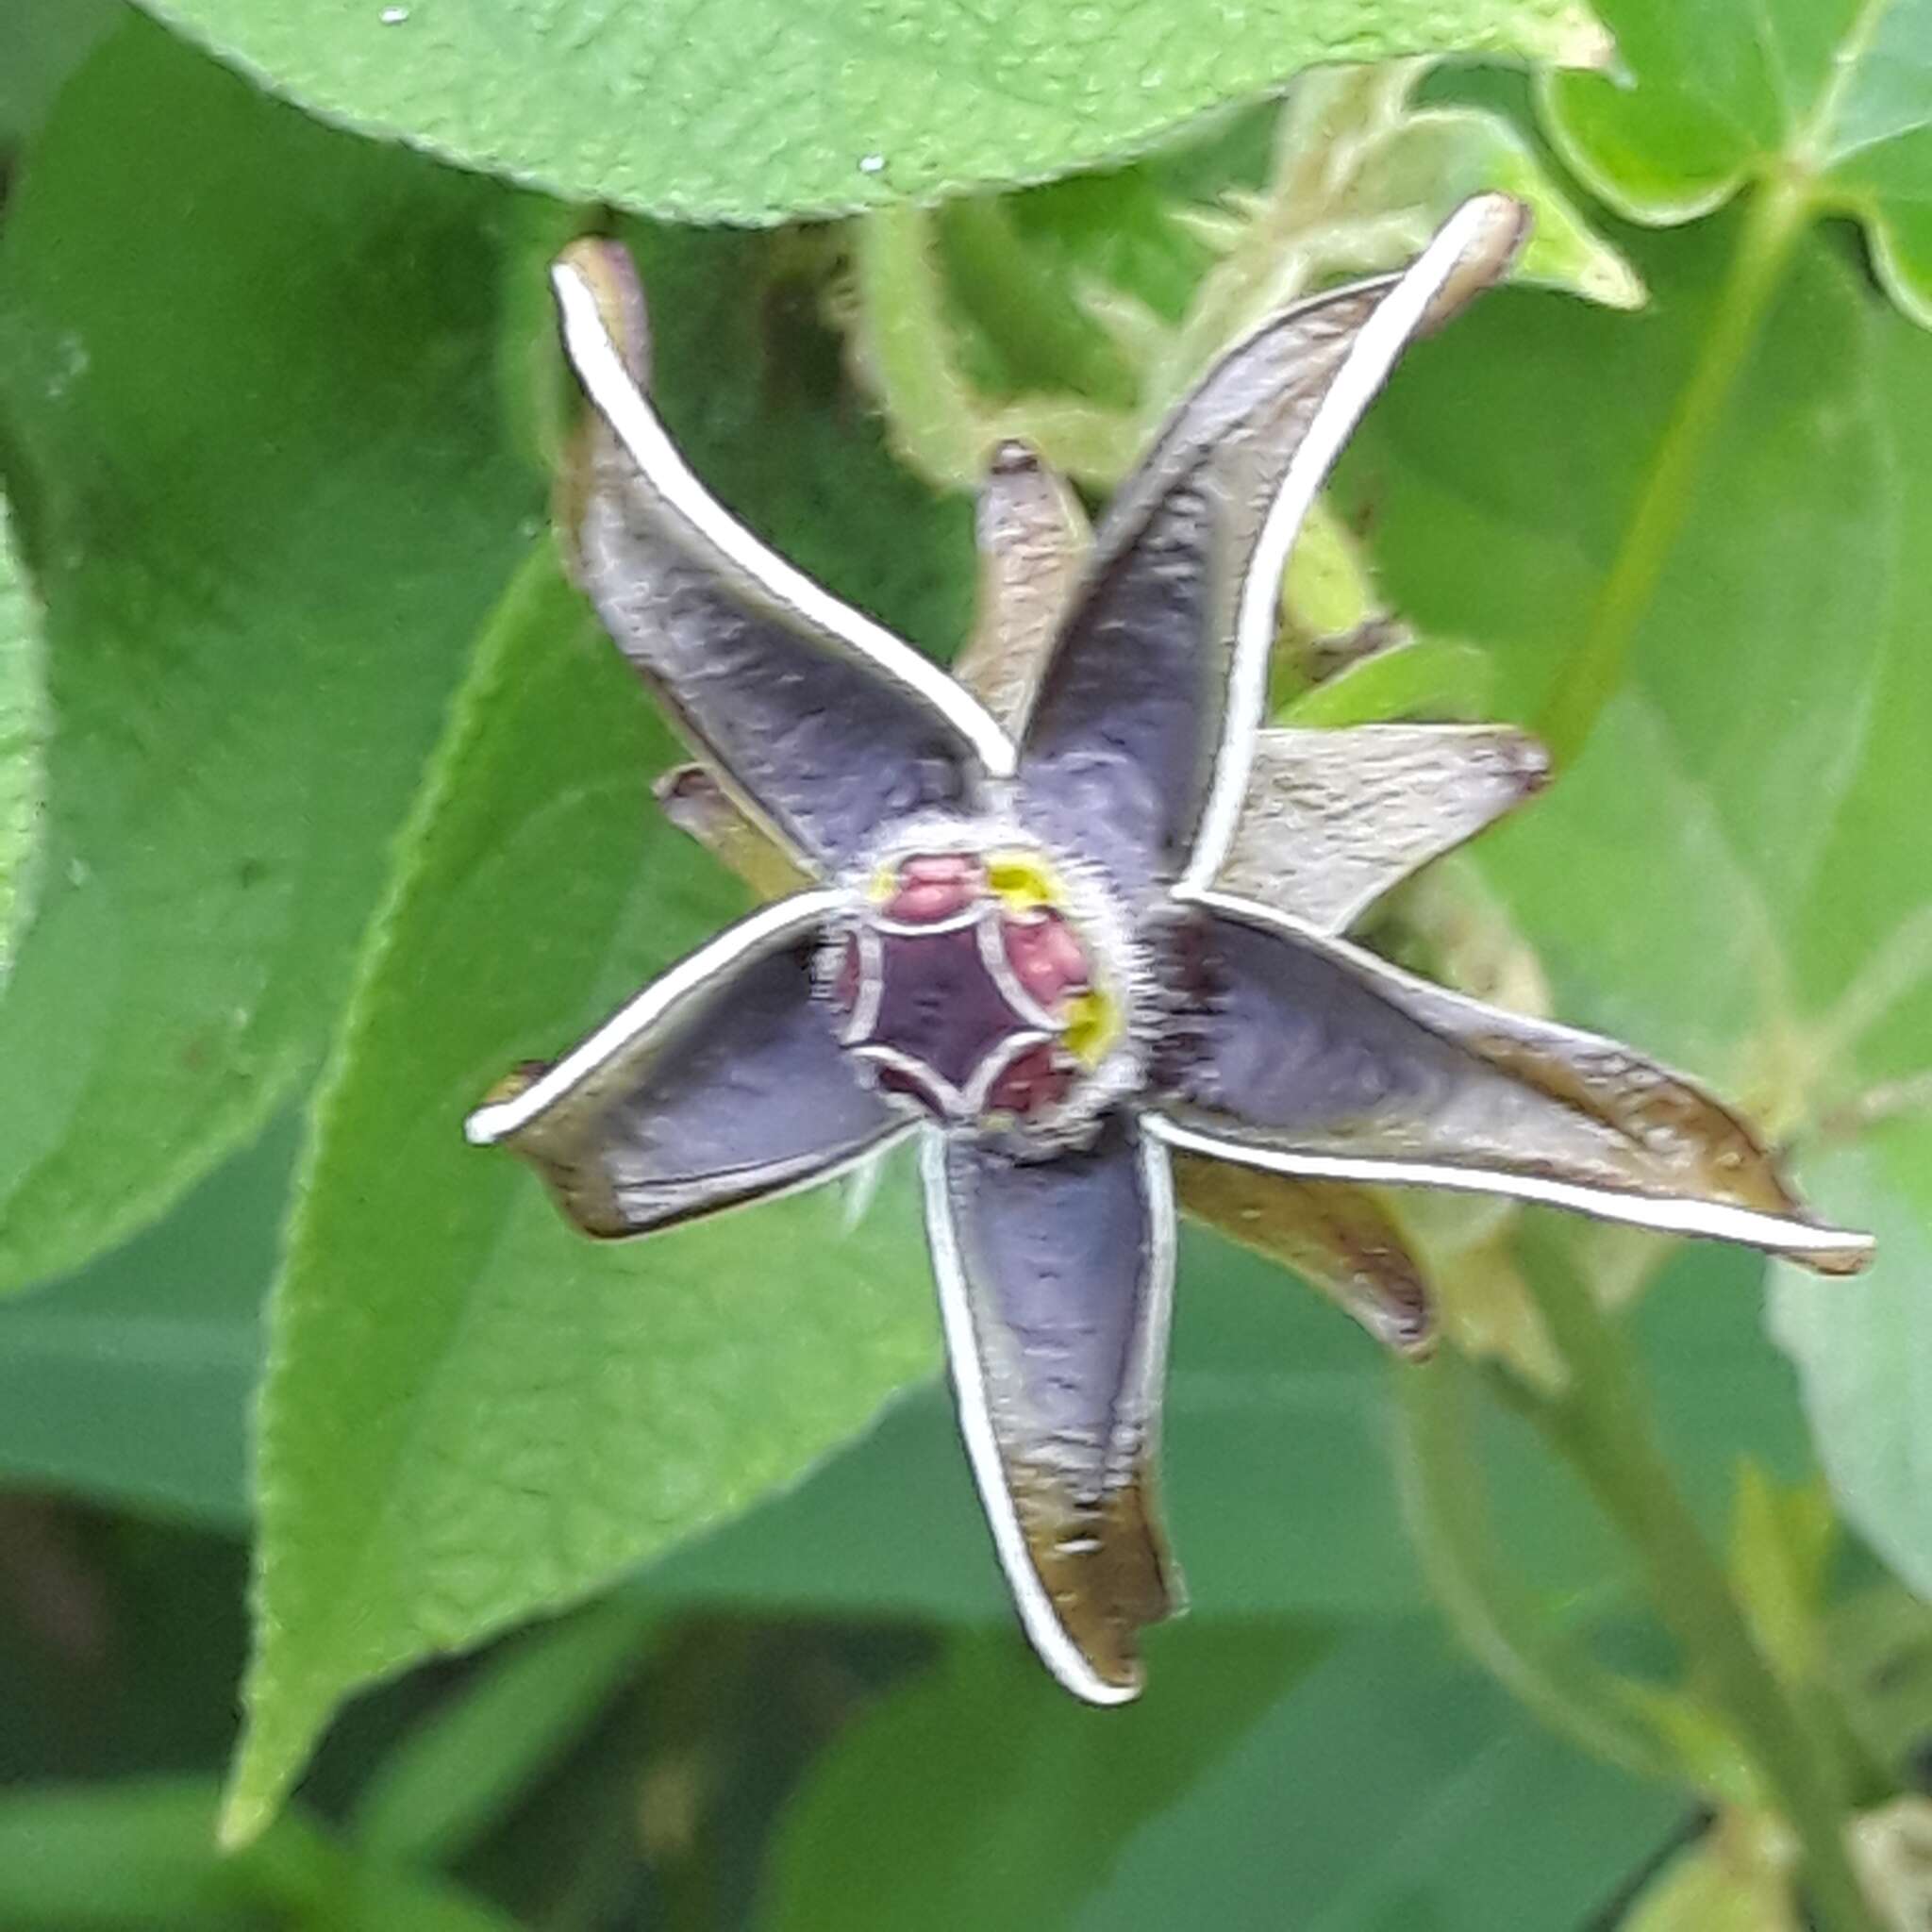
x,y
957,997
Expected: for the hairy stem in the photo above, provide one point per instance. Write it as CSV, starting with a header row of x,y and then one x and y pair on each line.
x,y
1602,1425
907,348
1047,342
1776,219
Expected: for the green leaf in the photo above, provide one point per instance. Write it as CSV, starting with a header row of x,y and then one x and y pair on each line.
x,y
638,1393
251,436
1425,679
754,110
473,1413
1865,1354
1734,873
22,728
128,1382
1825,98
1688,880
1380,1786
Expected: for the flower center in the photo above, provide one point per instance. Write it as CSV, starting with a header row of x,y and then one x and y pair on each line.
x,y
968,982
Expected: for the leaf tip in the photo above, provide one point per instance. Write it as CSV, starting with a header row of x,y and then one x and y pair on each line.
x,y
243,1818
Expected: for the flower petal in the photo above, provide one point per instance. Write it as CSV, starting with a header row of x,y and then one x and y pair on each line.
x,y
825,723
698,805
1307,1056
1333,819
1033,539
1333,1234
723,1082
1056,1278
1139,741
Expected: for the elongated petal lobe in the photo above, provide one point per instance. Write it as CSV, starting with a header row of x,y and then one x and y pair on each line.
x,y
826,725
1335,1234
723,1082
1033,539
1334,818
1139,741
1054,1280
1307,1056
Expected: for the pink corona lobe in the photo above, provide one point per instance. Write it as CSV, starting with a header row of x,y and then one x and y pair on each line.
x,y
1046,958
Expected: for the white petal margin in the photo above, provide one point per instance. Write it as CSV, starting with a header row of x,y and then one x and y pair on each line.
x,y
1477,244
697,974
600,367
1056,1650
1712,1219
1661,1213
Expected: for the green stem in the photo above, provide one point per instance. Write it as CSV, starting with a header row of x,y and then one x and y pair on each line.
x,y
1444,1498
1776,219
1047,342
1602,1424
907,347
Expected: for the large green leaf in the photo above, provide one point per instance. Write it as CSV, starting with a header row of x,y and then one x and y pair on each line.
x,y
472,1413
753,111
247,413
633,1393
1735,872
1260,1783
1826,101
23,726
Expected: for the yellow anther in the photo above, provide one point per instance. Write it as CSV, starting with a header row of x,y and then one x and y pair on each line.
x,y
1024,882
1093,1024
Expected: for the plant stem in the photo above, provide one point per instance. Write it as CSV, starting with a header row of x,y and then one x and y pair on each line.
x,y
907,345
1048,341
1507,1630
1776,219
1602,1424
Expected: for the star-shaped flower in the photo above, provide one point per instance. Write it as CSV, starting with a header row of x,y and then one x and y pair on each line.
x,y
1074,919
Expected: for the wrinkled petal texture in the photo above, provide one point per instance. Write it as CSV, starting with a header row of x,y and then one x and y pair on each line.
x,y
1333,819
1337,1236
1138,746
1055,1279
825,724
1305,1054
1120,747
1033,539
723,1082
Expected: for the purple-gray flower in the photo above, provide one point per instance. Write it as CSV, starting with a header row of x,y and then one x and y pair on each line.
x,y
1074,919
